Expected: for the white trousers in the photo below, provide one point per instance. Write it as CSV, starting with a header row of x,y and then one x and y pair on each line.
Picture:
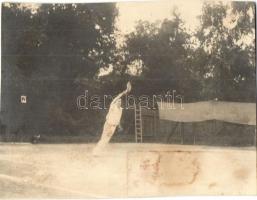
x,y
107,134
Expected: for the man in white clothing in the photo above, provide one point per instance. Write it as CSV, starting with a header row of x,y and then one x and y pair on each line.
x,y
112,120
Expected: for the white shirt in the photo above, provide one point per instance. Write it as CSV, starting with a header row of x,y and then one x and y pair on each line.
x,y
114,115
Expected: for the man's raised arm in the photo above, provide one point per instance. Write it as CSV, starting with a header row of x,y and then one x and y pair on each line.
x,y
123,93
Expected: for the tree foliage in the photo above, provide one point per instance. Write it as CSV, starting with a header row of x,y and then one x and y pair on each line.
x,y
216,61
54,54
164,50
227,60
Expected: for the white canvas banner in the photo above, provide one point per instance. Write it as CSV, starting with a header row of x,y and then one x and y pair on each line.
x,y
234,112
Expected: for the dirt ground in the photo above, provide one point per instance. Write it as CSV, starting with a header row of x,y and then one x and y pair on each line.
x,y
124,170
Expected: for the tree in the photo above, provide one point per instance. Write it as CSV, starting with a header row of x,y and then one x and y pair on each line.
x,y
53,54
224,59
164,51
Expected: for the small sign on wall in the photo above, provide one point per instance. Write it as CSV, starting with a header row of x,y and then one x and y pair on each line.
x,y
23,99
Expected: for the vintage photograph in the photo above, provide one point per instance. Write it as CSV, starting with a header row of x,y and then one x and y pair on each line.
x,y
128,99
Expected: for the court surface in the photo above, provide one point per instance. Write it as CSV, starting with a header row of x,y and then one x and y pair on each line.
x,y
124,170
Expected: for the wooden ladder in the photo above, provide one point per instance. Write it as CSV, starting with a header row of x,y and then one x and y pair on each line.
x,y
138,124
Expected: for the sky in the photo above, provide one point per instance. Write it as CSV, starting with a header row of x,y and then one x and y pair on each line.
x,y
131,12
